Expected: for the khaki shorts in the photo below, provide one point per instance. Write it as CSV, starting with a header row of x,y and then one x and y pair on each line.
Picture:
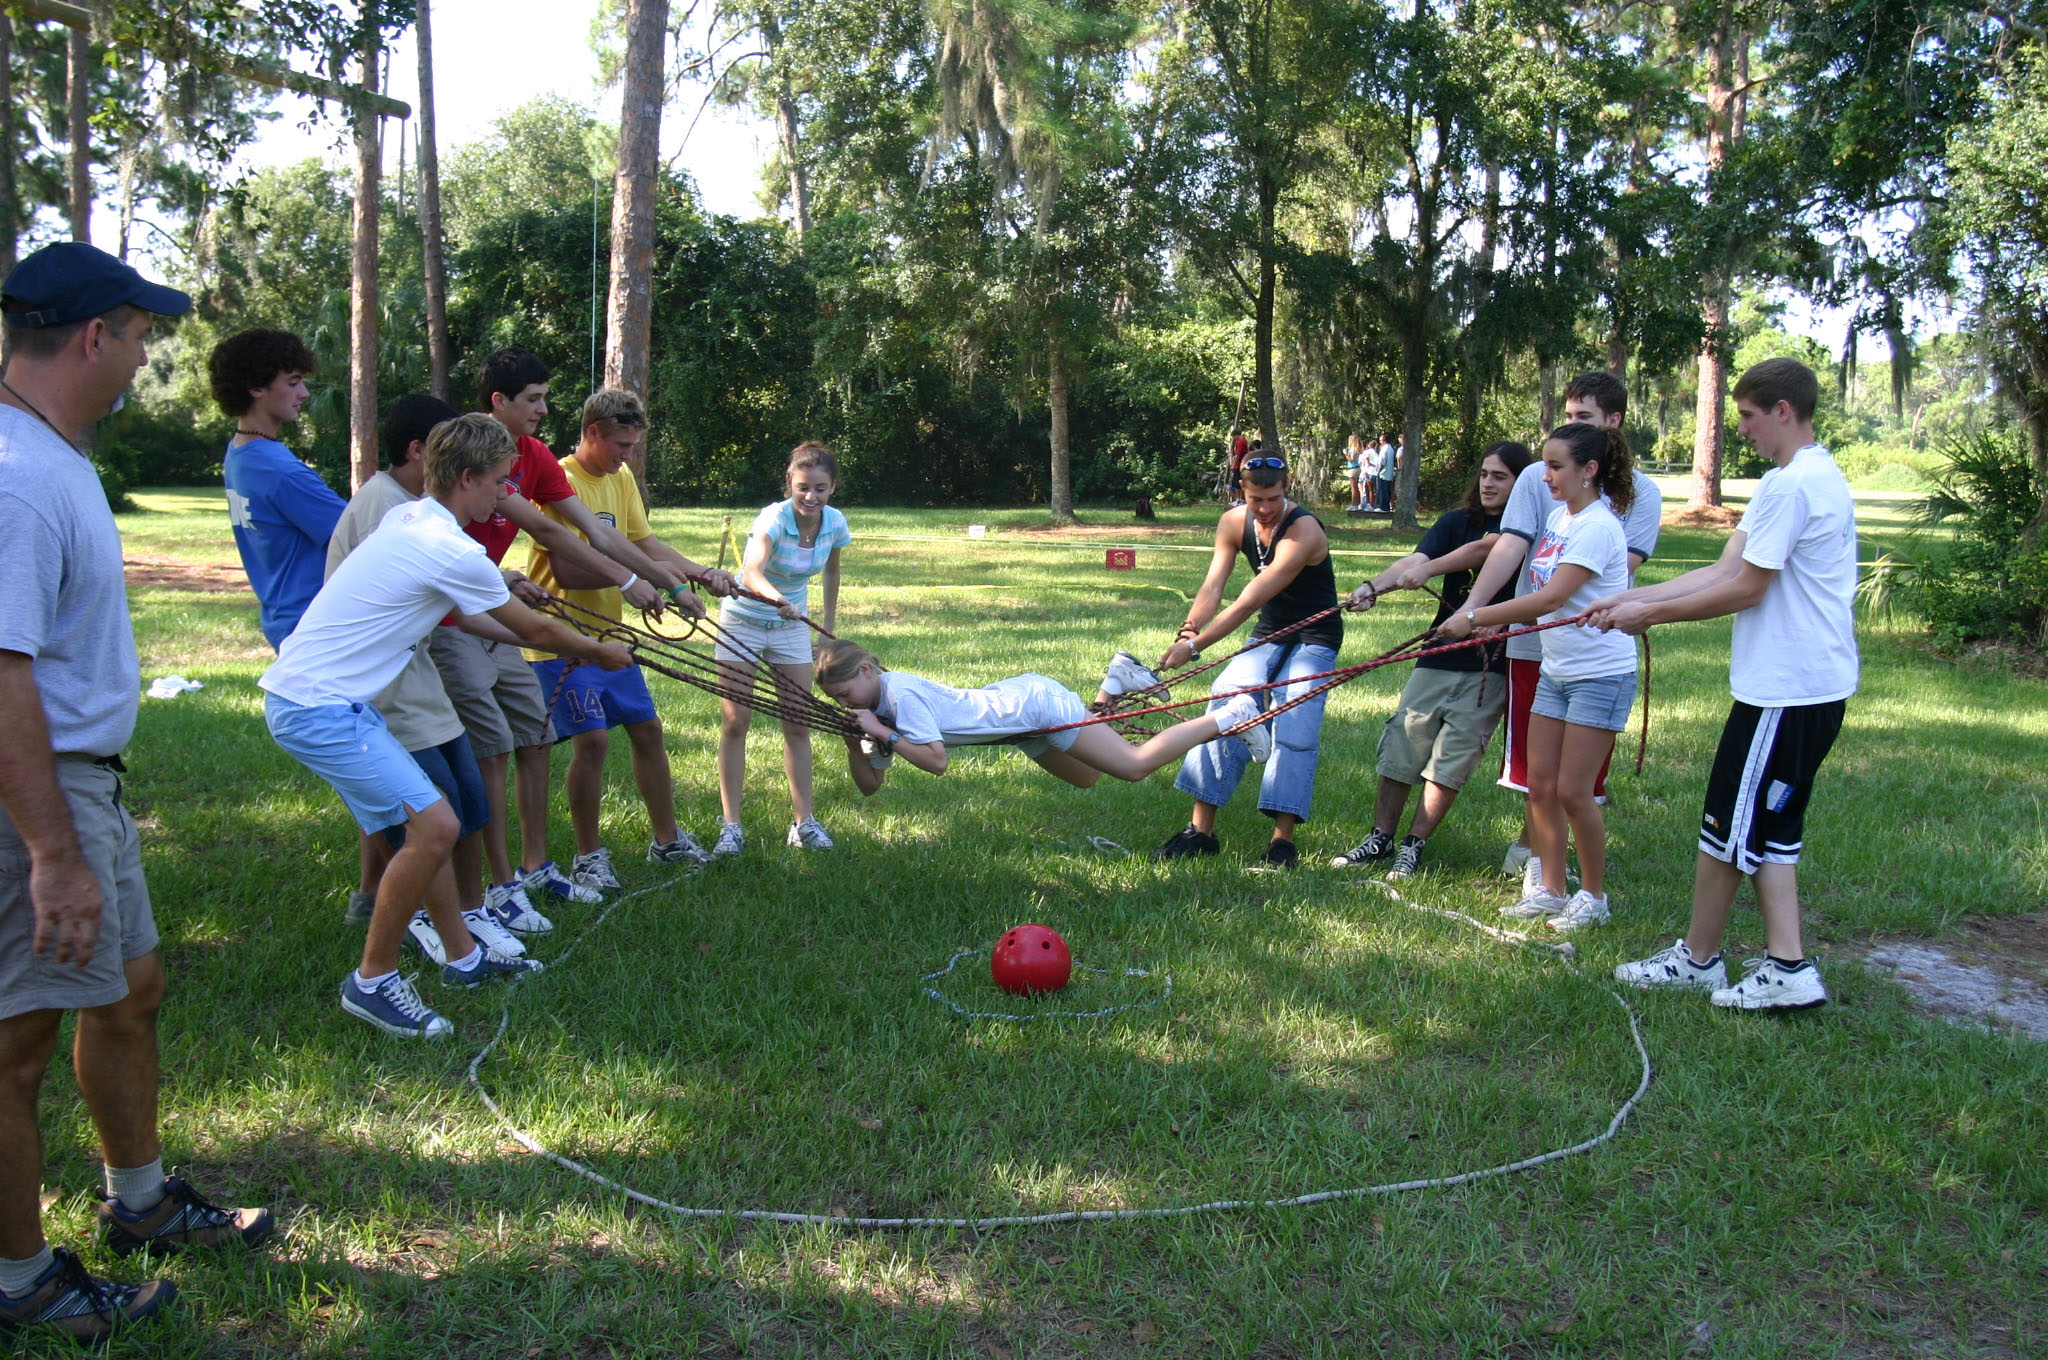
x,y
106,833
493,690
1442,726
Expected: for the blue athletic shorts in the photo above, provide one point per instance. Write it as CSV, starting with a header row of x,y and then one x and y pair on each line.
x,y
592,699
349,746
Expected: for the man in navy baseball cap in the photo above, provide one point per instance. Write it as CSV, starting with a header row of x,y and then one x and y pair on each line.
x,y
76,930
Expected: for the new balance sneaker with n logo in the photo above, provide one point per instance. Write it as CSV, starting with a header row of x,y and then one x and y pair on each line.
x,y
731,840
550,881
515,910
1407,858
395,1008
682,850
1581,909
1376,846
488,965
1539,905
1128,675
807,835
70,1301
1768,985
183,1218
1674,967
594,870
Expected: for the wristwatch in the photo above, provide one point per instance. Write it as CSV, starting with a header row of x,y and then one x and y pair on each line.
x,y
1472,617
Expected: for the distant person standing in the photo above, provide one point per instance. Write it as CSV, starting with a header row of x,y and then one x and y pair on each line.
x,y
1240,449
1788,574
282,513
1388,456
76,930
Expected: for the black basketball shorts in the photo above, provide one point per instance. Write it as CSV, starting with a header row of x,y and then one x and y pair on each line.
x,y
1763,774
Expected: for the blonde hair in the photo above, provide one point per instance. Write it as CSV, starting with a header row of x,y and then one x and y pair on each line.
x,y
838,660
474,443
612,407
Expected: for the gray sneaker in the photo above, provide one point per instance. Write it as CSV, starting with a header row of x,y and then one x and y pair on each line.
x,y
594,870
1536,906
731,840
808,835
1581,909
1128,675
682,850
360,907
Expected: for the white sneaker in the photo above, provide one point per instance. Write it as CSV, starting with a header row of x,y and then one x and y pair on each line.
x,y
1770,986
1581,909
515,910
1673,967
731,840
490,932
807,835
1243,708
1532,874
1128,675
550,881
1517,856
420,931
594,870
1535,906
682,850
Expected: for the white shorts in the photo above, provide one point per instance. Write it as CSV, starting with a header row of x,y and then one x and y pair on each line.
x,y
745,641
1046,703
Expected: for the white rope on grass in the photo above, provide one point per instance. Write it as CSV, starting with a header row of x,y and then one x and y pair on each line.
x,y
950,1004
984,1224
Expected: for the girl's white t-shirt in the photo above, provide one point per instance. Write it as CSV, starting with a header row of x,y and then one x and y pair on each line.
x,y
1595,540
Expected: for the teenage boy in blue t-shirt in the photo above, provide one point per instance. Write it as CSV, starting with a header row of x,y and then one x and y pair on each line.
x,y
282,513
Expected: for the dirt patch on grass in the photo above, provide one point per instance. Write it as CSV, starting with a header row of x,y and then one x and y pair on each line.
x,y
1704,517
1993,971
177,573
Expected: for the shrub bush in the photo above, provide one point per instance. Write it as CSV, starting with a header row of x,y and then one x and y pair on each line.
x,y
1990,583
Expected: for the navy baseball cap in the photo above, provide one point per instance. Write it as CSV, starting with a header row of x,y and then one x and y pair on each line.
x,y
71,281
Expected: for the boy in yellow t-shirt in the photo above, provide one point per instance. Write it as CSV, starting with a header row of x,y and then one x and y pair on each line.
x,y
589,702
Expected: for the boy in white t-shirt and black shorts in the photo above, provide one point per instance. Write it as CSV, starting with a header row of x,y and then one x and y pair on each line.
x,y
1788,575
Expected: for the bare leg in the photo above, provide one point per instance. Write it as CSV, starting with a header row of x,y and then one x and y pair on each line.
x,y
1585,750
369,863
1111,754
1203,818
1388,806
733,721
1436,805
651,775
796,745
1066,767
497,843
468,862
27,1042
1714,883
585,786
1777,893
1546,814
1283,825
530,783
115,1056
429,837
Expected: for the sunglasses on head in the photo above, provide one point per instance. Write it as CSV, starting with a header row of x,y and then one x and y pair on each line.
x,y
1278,463
628,420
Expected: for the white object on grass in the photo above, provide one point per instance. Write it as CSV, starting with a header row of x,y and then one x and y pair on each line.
x,y
171,686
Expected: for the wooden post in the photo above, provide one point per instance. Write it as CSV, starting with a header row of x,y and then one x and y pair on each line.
x,y
629,305
362,313
78,105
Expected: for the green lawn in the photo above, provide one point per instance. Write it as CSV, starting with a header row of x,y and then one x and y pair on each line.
x,y
1858,1181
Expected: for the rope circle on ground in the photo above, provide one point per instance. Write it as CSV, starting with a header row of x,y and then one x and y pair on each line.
x,y
1563,950
950,1004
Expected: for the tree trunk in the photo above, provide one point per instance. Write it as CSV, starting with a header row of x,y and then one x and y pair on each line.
x,y
1262,324
787,129
2036,409
10,210
1546,395
131,154
77,86
1414,393
362,311
1724,127
629,307
1061,493
433,265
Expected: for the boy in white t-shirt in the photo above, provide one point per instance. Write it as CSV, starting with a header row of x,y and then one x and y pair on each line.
x,y
353,640
1788,575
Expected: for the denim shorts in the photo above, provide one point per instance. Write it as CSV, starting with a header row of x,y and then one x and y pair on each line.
x,y
452,767
349,746
1601,702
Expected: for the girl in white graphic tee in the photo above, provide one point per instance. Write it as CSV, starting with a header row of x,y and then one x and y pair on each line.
x,y
1588,679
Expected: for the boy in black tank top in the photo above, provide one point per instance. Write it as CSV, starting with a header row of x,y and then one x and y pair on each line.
x,y
1292,580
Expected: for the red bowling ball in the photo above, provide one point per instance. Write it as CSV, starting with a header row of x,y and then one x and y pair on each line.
x,y
1031,958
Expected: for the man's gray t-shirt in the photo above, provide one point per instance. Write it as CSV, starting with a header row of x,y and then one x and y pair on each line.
x,y
1528,510
63,599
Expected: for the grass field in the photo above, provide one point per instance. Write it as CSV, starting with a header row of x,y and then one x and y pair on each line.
x,y
1860,1181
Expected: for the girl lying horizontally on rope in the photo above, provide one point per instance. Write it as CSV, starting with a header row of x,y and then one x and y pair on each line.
x,y
907,715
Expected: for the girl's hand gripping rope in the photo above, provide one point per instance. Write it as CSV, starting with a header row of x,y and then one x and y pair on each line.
x,y
1363,598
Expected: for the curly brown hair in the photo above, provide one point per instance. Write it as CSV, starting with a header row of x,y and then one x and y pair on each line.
x,y
252,359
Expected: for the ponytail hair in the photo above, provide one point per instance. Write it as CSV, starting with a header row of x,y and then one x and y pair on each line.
x,y
1609,448
838,660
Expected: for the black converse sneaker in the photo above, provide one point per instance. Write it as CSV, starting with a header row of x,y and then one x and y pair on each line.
x,y
1187,843
1371,850
1407,858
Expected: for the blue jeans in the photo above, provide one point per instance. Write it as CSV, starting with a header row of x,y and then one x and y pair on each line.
x,y
1210,772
